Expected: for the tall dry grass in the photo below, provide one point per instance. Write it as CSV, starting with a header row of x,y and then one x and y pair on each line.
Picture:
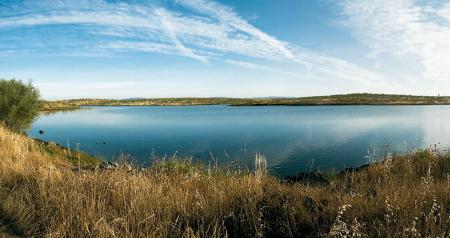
x,y
41,196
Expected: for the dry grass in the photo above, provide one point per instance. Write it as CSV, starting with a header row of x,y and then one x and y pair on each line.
x,y
40,195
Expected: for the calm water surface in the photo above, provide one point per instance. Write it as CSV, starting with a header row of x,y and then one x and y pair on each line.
x,y
294,138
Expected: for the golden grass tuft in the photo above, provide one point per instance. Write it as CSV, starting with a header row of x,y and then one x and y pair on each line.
x,y
41,196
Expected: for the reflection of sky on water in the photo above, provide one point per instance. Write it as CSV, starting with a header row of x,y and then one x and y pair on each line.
x,y
291,137
435,124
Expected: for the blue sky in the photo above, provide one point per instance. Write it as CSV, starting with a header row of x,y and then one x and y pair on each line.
x,y
234,48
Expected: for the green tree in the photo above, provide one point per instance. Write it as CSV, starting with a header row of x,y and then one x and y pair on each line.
x,y
19,104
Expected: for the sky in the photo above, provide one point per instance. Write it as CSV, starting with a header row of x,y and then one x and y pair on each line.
x,y
226,48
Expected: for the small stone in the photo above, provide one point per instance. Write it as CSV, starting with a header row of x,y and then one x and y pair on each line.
x,y
41,132
107,165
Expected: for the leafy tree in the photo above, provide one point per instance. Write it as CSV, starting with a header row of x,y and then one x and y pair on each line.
x,y
19,104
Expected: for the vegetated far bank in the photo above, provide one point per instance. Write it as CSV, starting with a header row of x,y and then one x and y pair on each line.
x,y
346,99
42,195
53,106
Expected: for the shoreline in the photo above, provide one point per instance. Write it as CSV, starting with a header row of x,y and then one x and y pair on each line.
x,y
55,110
90,162
333,100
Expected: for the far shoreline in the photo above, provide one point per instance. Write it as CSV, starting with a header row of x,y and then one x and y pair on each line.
x,y
362,99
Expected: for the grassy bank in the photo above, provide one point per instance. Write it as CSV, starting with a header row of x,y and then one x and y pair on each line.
x,y
51,106
41,195
76,103
355,99
70,156
347,99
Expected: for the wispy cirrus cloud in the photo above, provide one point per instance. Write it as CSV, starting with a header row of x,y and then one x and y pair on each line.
x,y
207,31
410,30
157,27
233,23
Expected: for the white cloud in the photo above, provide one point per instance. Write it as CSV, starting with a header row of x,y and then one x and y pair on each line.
x,y
406,29
444,12
207,31
185,34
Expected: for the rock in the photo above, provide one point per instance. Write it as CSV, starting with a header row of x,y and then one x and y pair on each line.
x,y
311,178
108,165
41,132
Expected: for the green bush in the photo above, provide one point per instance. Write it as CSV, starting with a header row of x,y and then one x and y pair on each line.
x,y
19,104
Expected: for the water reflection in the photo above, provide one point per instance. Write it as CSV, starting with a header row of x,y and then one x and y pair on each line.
x,y
290,137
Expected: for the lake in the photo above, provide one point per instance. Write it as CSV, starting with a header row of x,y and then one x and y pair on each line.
x,y
293,138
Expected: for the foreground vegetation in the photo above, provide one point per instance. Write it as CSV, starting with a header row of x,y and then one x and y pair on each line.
x,y
347,99
41,194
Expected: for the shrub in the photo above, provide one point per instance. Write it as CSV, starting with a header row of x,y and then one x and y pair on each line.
x,y
19,103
